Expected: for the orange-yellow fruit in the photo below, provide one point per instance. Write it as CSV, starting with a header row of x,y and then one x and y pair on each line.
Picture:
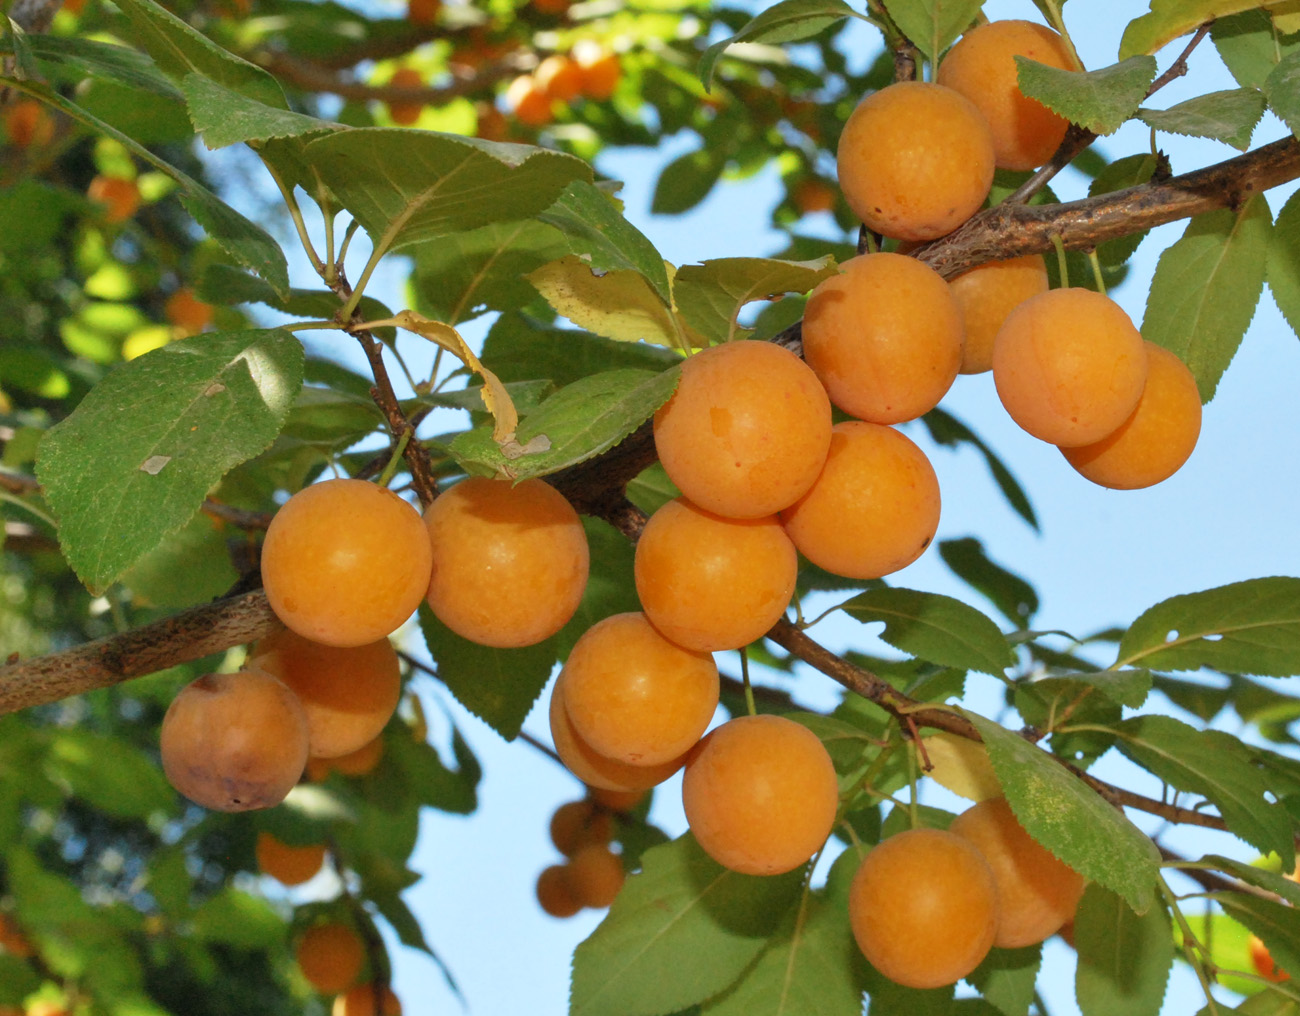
x,y
616,800
924,908
287,864
12,939
600,68
915,160
595,875
187,312
46,1007
360,1001
233,742
590,766
348,693
633,695
1069,366
760,794
1037,893
746,432
530,104
491,123
1156,439
578,823
509,562
982,66
345,562
985,296
873,510
121,197
406,113
555,893
1262,960
710,583
813,196
884,336
559,77
27,124
330,956
354,763
423,12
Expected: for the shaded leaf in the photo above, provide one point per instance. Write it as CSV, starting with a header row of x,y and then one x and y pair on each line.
x,y
1099,100
933,24
1206,287
1277,924
1124,959
949,431
1282,89
225,116
1007,978
135,459
679,932
1070,819
1283,262
239,919
1250,47
687,180
1011,594
109,774
710,296
1262,878
75,57
189,567
519,349
934,627
225,284
1229,116
1250,627
787,21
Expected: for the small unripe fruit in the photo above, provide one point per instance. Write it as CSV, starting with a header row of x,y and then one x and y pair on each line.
x,y
601,69
578,823
558,77
330,956
555,893
287,864
595,875
406,113
530,104
120,197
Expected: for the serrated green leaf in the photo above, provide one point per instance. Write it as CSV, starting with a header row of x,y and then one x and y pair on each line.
x,y
1124,959
1007,978
603,239
933,25
949,431
135,459
1283,262
1266,1003
499,686
1250,627
1262,878
617,305
1171,18
1206,287
1011,594
407,186
1250,46
1216,766
787,21
179,50
71,57
710,296
811,966
247,243
484,269
1277,924
225,116
678,933
1282,88
238,919
934,627
1099,100
1229,116
577,422
1070,819
225,284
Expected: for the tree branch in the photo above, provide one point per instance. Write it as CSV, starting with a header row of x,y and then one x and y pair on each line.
x,y
308,76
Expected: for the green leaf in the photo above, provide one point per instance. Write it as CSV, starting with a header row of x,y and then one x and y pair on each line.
x,y
72,58
1277,924
109,774
1250,46
1171,18
1099,100
1282,88
518,349
1007,978
811,965
1206,287
1262,878
225,284
1266,1003
499,686
945,429
406,186
18,979
934,627
1070,819
603,239
787,21
577,422
617,305
135,459
1130,171
1011,594
710,296
678,933
484,269
933,24
238,919
225,116
1250,627
247,243
189,567
1124,959
179,51
1283,262
687,180
1218,767
1229,116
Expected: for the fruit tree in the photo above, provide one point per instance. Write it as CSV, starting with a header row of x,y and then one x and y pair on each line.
x,y
342,372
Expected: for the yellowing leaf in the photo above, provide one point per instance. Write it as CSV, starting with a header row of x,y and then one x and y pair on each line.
x,y
962,766
1169,19
618,305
